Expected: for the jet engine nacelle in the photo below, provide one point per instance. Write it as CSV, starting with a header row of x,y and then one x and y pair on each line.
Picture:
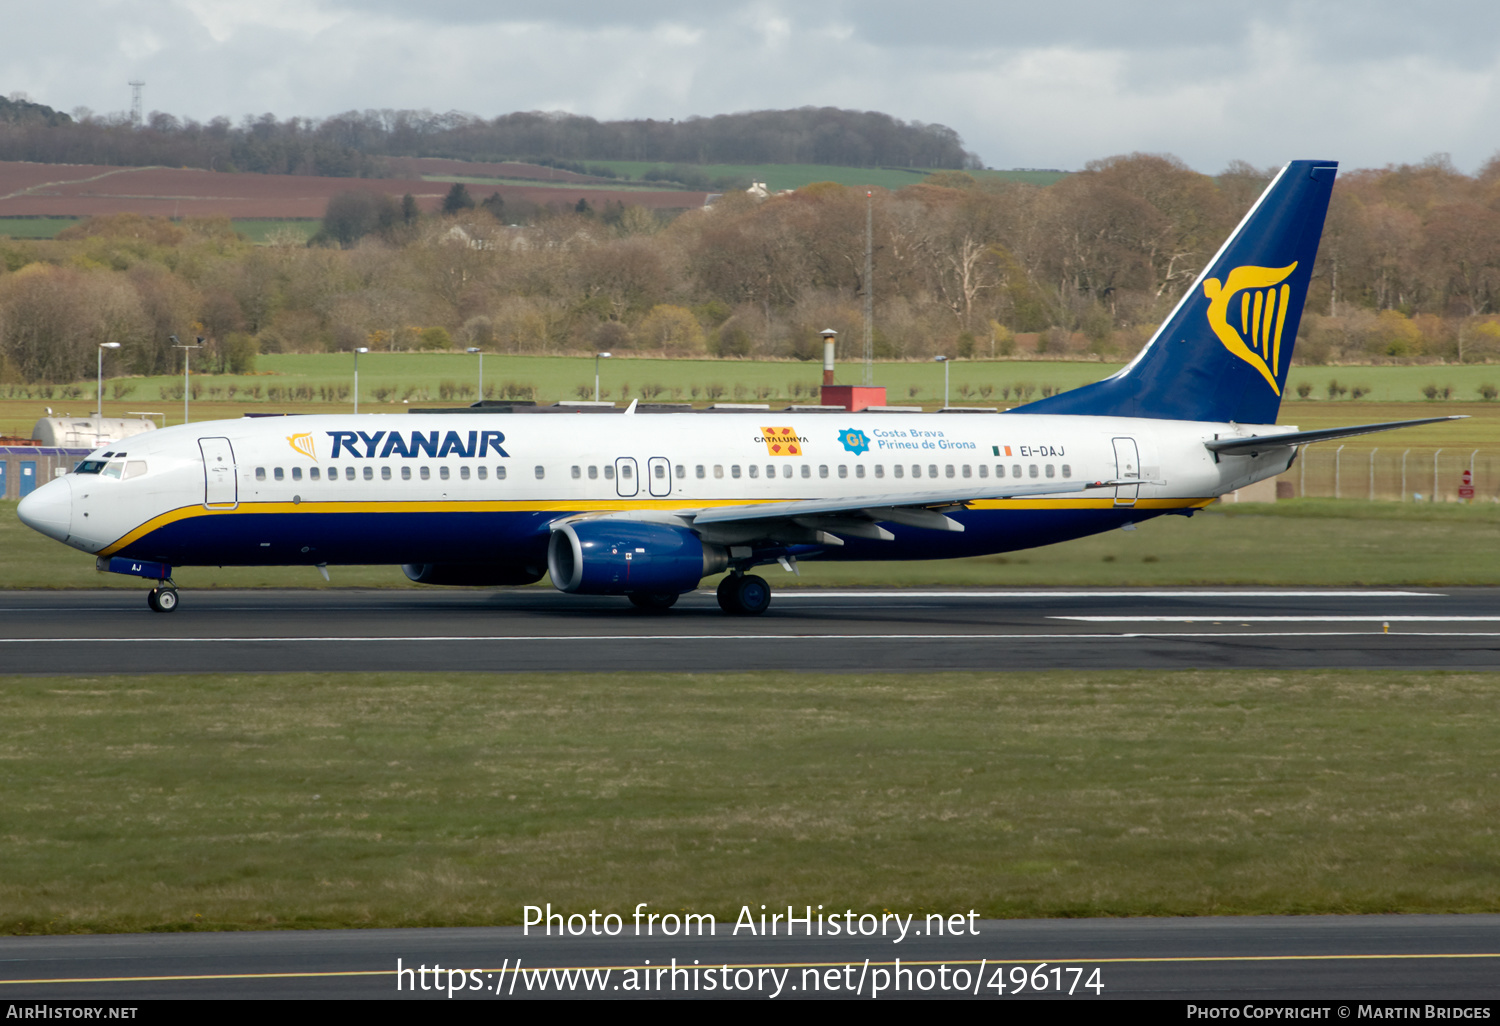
x,y
618,557
472,574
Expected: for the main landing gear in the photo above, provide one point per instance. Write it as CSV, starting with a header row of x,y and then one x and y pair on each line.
x,y
162,599
744,595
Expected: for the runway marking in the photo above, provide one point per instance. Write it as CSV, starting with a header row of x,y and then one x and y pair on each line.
x,y
1128,960
1056,636
1227,618
1062,593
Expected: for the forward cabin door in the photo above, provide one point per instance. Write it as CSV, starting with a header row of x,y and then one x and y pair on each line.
x,y
1127,465
220,486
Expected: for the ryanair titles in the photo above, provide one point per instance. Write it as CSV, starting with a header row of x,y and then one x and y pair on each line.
x,y
383,444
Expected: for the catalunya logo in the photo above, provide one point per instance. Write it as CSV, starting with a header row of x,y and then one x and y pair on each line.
x,y
781,441
1248,313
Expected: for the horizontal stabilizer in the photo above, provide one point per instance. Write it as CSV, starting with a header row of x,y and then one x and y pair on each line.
x,y
1260,443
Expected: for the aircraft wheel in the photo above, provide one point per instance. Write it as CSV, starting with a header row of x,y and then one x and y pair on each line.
x,y
151,601
745,595
652,600
166,600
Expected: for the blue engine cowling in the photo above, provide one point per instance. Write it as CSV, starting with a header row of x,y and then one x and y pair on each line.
x,y
618,557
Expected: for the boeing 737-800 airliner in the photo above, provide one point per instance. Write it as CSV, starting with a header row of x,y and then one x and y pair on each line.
x,y
646,505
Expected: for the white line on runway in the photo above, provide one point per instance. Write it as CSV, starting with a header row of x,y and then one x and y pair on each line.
x,y
1070,594
1231,618
761,637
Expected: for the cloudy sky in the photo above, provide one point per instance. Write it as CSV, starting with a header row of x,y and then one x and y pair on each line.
x,y
1044,83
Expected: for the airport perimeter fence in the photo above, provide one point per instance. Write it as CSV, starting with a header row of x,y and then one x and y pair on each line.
x,y
1334,471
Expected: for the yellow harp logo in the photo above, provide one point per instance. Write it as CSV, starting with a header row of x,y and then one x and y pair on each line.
x,y
303,443
1250,327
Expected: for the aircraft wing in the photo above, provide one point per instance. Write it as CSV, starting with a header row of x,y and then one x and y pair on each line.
x,y
1260,443
822,520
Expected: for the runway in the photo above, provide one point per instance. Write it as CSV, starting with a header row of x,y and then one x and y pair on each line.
x,y
532,629
1264,959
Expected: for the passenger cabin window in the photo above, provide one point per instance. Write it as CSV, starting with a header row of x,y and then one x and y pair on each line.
x,y
700,471
843,470
314,473
1067,470
260,473
770,470
541,472
278,474
609,473
1031,470
718,470
880,470
369,473
463,472
406,473
967,472
859,470
1051,470
593,473
681,471
822,470
754,470
443,472
577,473
896,471
734,471
984,471
296,473
348,473
424,473
483,473
385,473
499,473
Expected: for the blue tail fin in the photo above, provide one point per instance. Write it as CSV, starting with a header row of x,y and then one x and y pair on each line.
x,y
1223,353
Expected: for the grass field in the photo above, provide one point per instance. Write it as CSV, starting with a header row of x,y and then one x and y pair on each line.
x,y
298,800
795,176
1353,542
257,230
419,378
34,227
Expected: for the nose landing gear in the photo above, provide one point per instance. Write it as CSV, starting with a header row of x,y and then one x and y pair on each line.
x,y
162,599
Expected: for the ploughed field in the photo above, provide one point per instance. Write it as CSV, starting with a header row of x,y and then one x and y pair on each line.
x,y
86,190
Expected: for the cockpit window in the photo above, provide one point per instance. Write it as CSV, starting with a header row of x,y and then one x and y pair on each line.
x,y
89,467
114,468
134,468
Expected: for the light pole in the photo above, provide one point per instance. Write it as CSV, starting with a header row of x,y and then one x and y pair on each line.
x,y
944,361
361,349
99,413
186,352
597,358
480,353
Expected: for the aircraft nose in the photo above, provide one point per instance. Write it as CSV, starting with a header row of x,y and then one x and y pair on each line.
x,y
49,509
